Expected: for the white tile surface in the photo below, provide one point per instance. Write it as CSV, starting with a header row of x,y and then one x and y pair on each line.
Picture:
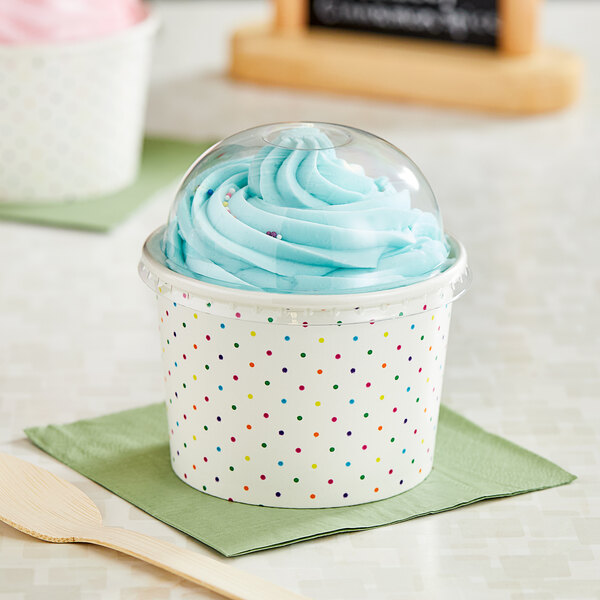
x,y
78,336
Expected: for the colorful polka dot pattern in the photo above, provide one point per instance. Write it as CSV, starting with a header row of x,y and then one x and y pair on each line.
x,y
292,416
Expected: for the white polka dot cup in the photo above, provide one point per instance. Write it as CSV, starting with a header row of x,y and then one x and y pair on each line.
x,y
302,401
72,115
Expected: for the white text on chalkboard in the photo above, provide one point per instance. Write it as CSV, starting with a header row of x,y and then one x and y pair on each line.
x,y
473,21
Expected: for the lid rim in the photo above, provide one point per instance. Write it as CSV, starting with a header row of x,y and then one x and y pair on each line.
x,y
457,272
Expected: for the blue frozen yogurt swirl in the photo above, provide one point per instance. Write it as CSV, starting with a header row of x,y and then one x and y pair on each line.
x,y
297,219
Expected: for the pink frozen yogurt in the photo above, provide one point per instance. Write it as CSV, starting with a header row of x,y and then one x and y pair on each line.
x,y
39,21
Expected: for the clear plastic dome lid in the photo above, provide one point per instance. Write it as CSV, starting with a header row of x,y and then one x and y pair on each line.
x,y
305,208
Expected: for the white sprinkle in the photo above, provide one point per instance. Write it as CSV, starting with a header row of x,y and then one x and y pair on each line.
x,y
278,236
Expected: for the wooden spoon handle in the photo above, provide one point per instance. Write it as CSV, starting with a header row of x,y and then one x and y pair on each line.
x,y
207,572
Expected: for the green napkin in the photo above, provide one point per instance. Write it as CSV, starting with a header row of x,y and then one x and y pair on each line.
x,y
128,453
162,161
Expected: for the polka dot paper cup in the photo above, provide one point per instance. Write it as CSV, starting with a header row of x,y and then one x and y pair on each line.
x,y
297,400
72,115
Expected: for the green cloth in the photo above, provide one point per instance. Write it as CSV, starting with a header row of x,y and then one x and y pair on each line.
x,y
128,453
162,162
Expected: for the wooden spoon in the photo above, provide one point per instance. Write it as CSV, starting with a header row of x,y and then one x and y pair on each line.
x,y
47,507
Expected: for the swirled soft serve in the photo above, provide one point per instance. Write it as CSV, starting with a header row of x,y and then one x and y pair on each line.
x,y
306,209
53,21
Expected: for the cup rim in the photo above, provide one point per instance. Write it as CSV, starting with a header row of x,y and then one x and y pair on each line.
x,y
457,278
146,26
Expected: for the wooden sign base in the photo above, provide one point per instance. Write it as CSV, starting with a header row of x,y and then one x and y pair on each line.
x,y
411,70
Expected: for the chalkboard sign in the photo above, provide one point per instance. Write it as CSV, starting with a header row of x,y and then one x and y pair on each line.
x,y
286,50
462,21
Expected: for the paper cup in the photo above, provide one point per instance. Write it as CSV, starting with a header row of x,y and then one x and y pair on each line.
x,y
72,115
302,401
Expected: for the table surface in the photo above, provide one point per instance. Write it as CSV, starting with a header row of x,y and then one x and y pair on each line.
x,y
78,336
